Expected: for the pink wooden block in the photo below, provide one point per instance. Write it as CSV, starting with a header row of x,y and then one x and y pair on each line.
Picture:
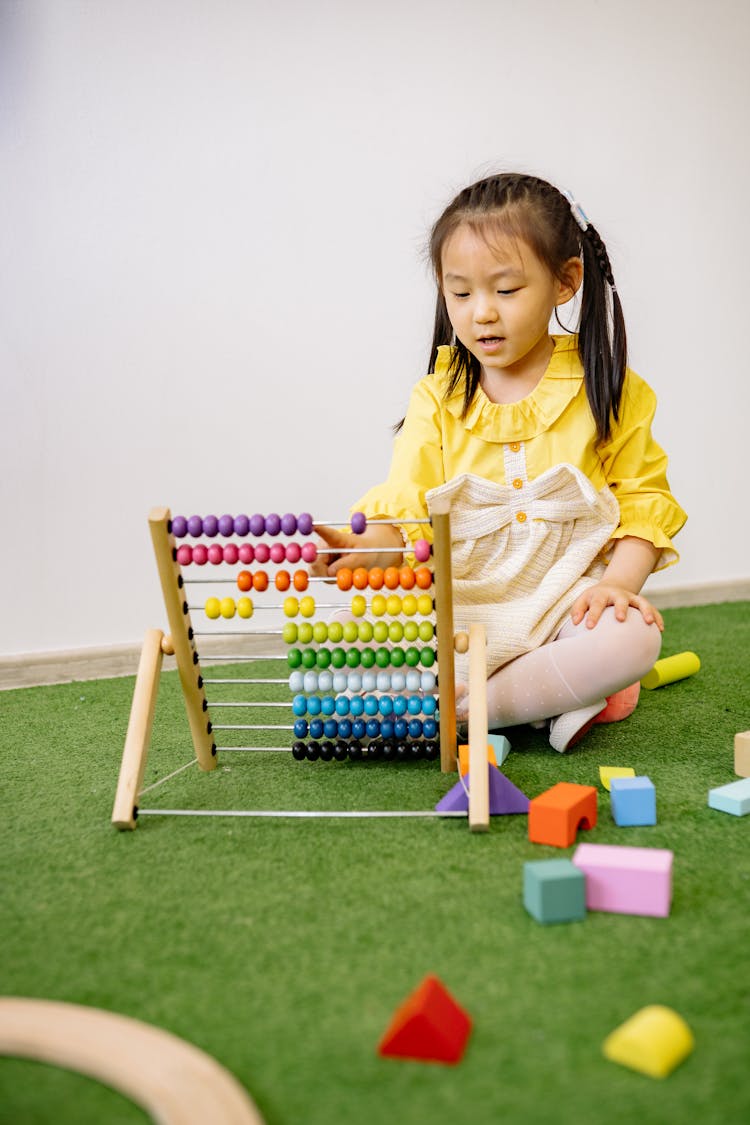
x,y
622,880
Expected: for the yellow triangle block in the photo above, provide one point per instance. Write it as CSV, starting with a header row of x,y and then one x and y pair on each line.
x,y
606,773
463,758
653,1041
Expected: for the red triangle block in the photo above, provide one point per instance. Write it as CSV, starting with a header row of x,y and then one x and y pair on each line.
x,y
428,1025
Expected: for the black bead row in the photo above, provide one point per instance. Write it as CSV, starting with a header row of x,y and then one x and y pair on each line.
x,y
378,749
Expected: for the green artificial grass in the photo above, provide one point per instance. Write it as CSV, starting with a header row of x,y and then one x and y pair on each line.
x,y
282,947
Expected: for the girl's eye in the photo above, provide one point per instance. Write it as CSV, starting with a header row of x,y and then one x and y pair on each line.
x,y
460,294
507,292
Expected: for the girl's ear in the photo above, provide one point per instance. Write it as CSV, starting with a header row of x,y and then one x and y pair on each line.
x,y
572,273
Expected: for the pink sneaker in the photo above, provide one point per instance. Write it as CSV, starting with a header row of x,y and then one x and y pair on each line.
x,y
620,705
566,731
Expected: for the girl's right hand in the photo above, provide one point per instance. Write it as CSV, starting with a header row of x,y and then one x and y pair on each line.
x,y
374,547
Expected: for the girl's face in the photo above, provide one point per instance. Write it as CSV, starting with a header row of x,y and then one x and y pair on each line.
x,y
500,298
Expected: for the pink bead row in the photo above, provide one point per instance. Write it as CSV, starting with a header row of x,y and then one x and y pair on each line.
x,y
217,553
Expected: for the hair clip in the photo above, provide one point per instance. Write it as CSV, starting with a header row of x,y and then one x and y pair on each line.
x,y
577,211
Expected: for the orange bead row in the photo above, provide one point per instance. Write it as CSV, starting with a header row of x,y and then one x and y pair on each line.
x,y
392,577
282,580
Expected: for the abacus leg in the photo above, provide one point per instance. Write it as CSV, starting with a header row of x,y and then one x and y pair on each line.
x,y
479,793
444,613
141,721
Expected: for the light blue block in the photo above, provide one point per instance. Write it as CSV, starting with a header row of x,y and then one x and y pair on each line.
x,y
633,801
733,798
500,745
554,890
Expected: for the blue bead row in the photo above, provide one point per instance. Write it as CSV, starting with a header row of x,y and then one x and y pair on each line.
x,y
361,728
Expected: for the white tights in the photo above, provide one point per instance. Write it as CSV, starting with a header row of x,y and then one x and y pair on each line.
x,y
579,668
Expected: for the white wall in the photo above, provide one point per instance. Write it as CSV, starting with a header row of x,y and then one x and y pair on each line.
x,y
212,292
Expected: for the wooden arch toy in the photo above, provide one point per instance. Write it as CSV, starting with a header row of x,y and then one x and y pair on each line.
x,y
419,722
173,1081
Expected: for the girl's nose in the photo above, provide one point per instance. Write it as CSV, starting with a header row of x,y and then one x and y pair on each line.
x,y
484,311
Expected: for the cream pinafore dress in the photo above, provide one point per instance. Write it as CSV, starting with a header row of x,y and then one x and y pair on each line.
x,y
521,556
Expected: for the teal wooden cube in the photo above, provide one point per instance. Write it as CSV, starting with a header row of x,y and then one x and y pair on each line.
x,y
633,801
554,890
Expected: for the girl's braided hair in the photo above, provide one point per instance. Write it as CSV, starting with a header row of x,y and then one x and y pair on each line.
x,y
527,208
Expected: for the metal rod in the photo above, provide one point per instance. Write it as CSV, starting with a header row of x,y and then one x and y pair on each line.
x,y
250,726
387,523
209,681
239,633
324,550
274,605
231,581
250,703
254,749
304,813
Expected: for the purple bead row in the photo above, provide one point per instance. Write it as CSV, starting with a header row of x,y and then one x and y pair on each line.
x,y
256,525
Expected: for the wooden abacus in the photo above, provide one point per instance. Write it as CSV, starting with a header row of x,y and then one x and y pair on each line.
x,y
398,732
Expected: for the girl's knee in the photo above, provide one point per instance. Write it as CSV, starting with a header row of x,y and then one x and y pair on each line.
x,y
635,642
651,644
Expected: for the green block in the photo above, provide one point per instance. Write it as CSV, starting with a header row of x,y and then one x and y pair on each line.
x,y
554,890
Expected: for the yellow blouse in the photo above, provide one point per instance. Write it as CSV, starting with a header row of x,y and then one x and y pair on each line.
x,y
554,425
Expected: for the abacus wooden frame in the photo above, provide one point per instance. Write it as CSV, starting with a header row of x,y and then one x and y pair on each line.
x,y
181,643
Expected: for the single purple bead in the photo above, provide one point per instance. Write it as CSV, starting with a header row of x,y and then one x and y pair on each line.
x,y
273,524
257,525
241,525
226,525
210,526
195,526
359,523
179,527
304,523
289,524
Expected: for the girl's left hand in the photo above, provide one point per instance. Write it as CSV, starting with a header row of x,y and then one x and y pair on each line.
x,y
593,601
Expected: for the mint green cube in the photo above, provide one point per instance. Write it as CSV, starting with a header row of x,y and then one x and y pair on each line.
x,y
554,890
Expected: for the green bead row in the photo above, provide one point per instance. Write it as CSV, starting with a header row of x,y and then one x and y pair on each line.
x,y
366,657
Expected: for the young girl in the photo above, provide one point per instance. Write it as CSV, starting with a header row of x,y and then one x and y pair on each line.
x,y
560,506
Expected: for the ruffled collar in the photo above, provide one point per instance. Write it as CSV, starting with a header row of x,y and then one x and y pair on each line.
x,y
531,416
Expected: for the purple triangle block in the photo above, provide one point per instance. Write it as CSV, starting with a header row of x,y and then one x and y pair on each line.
x,y
455,800
505,797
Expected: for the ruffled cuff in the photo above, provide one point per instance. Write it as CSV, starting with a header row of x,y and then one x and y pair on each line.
x,y
668,557
379,504
656,518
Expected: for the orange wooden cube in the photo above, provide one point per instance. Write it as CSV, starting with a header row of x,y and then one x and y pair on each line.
x,y
556,816
463,759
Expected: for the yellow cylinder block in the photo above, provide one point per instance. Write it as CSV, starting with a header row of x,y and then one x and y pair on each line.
x,y
671,669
